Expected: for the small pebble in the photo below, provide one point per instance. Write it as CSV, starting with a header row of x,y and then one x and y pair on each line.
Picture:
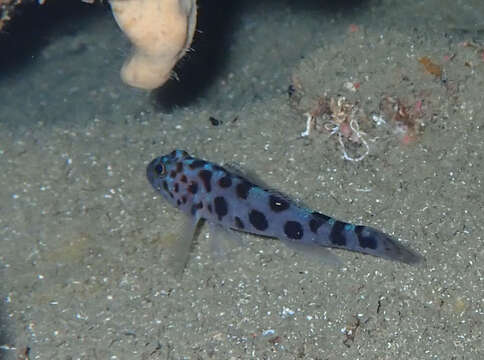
x,y
215,122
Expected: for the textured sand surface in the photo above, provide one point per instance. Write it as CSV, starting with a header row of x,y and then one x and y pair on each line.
x,y
85,241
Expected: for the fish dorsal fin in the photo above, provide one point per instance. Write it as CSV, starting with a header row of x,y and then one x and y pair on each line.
x,y
251,176
247,174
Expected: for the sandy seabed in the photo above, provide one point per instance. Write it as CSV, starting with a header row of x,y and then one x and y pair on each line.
x,y
85,240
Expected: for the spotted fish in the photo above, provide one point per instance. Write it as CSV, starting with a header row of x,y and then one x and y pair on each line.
x,y
208,191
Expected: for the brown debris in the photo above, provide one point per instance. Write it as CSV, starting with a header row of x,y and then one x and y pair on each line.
x,y
431,67
406,120
8,9
350,331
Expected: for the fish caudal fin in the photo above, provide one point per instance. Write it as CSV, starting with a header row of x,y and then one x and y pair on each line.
x,y
368,240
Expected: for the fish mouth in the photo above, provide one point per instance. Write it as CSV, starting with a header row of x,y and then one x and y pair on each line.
x,y
151,172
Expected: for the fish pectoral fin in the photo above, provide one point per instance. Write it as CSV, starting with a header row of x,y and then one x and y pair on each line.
x,y
180,251
315,252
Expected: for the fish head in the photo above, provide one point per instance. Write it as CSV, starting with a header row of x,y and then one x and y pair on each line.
x,y
163,171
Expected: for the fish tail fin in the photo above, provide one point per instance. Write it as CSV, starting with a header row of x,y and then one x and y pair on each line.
x,y
377,243
368,240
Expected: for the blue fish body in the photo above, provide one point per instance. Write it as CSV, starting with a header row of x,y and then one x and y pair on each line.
x,y
204,190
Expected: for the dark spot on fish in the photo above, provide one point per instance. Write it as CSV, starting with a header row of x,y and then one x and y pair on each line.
x,y
173,153
165,186
225,181
317,220
258,220
184,199
221,208
183,178
197,164
173,174
277,203
193,187
336,235
209,207
366,240
238,222
179,167
176,187
178,202
206,176
293,230
242,189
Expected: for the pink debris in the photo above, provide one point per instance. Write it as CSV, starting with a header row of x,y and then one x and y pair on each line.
x,y
354,28
418,106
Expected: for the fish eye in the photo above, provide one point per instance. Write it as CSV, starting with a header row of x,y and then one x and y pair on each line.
x,y
160,169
